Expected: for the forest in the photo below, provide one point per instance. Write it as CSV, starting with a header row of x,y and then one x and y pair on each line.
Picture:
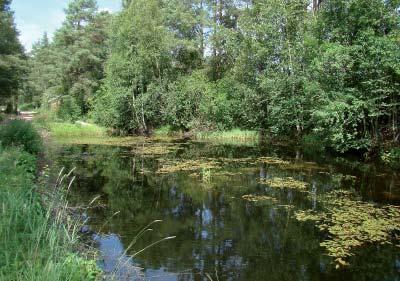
x,y
325,72
201,140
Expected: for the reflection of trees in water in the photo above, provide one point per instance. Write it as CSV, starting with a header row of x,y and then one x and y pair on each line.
x,y
215,229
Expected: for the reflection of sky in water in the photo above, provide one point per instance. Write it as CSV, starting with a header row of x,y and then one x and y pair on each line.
x,y
113,259
160,274
117,264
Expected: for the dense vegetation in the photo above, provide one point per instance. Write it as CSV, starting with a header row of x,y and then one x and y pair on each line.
x,y
37,240
326,72
11,58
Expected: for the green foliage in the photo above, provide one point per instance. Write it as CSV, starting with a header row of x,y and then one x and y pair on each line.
x,y
69,109
230,137
67,72
391,157
332,73
35,244
11,58
77,130
163,131
26,106
184,100
21,134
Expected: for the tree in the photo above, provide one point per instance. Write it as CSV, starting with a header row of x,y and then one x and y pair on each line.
x,y
69,70
11,57
140,60
80,12
357,69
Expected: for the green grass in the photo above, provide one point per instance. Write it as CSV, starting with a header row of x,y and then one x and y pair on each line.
x,y
37,240
69,130
164,131
21,133
230,137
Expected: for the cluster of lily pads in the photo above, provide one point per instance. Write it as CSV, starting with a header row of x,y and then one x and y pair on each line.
x,y
187,165
155,149
351,223
259,198
281,183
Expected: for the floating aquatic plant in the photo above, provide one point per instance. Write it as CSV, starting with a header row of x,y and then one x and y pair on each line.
x,y
352,223
236,160
187,165
272,161
285,183
157,149
287,207
303,166
259,198
226,174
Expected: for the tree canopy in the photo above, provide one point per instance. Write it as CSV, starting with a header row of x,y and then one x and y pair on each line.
x,y
324,70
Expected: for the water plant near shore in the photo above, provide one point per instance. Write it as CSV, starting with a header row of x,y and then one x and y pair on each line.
x,y
38,238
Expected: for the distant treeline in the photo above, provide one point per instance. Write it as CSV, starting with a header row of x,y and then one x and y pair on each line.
x,y
326,71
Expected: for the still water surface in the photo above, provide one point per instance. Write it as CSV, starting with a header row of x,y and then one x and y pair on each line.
x,y
220,236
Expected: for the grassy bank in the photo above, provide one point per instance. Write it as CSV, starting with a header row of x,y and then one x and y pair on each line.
x,y
38,240
229,137
85,133
76,130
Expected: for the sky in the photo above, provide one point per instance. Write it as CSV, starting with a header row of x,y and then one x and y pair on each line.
x,y
34,17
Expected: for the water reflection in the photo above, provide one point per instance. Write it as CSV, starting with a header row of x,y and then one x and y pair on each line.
x,y
219,234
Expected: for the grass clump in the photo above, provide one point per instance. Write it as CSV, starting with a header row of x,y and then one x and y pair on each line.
x,y
289,182
37,243
80,130
164,131
351,223
230,137
22,134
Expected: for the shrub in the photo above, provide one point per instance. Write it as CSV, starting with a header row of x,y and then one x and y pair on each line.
x,y
69,110
26,106
22,134
391,157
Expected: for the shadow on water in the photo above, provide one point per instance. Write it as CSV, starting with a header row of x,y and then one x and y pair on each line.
x,y
218,234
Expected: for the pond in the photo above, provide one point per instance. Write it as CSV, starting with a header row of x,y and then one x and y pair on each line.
x,y
222,212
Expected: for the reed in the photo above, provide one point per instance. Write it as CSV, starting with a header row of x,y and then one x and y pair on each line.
x,y
38,239
229,137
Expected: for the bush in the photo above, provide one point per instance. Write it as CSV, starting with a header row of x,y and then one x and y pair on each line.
x,y
69,110
182,102
22,134
26,106
392,157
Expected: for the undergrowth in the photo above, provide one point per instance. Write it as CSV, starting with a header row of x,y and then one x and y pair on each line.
x,y
38,239
232,136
